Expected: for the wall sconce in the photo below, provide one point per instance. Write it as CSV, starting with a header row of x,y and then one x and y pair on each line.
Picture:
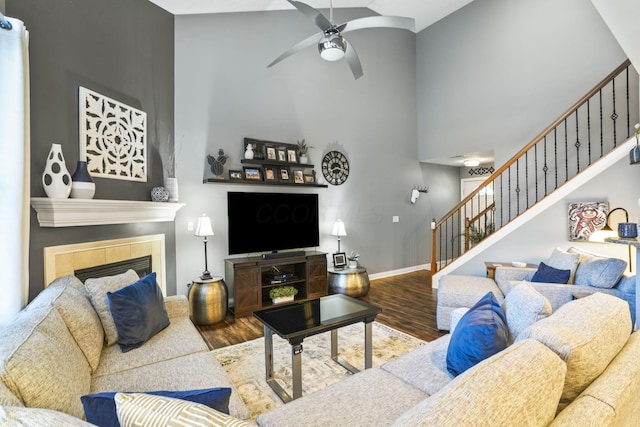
x,y
415,193
339,231
634,154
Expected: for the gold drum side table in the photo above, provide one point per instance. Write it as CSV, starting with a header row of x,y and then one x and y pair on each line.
x,y
353,282
208,300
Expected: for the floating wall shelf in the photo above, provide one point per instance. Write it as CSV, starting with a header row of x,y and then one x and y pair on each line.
x,y
82,212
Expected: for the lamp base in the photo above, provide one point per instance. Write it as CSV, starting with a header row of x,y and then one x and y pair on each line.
x,y
206,275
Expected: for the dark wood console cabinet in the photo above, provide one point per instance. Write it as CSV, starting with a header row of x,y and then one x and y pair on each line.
x,y
249,279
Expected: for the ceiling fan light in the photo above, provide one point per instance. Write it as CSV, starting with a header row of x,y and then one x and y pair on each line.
x,y
332,47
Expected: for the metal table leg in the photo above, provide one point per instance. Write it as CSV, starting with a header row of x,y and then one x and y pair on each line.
x,y
296,364
368,351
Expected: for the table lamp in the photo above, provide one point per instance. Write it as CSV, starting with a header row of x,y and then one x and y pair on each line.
x,y
204,229
338,230
607,231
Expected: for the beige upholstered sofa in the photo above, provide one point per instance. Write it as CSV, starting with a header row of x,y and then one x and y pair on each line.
x,y
576,367
589,273
53,352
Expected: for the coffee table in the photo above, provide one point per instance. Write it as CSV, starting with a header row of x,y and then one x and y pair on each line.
x,y
295,322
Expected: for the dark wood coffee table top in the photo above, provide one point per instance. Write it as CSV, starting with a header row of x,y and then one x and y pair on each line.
x,y
294,322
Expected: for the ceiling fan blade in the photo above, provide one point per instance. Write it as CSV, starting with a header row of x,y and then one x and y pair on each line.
x,y
378,21
318,18
352,59
309,41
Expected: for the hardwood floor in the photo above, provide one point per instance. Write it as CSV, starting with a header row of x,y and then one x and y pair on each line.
x,y
408,304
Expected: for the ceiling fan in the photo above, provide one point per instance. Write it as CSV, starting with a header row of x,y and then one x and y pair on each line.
x,y
331,45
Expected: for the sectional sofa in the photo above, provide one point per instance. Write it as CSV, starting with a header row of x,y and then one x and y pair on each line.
x,y
54,352
577,367
588,273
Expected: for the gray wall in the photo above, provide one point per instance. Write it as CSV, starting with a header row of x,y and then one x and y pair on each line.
x,y
224,92
122,49
495,73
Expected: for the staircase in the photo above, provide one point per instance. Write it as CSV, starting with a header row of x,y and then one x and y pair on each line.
x,y
593,134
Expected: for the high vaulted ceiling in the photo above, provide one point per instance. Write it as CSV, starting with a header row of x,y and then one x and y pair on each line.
x,y
425,12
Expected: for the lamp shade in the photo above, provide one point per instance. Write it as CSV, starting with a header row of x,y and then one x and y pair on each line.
x,y
338,229
204,226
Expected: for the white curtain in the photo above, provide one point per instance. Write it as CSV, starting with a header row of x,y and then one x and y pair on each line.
x,y
14,169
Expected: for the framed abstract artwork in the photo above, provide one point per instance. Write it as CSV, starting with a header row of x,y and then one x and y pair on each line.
x,y
585,218
113,137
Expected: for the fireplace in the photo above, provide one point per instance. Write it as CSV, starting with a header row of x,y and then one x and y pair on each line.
x,y
107,257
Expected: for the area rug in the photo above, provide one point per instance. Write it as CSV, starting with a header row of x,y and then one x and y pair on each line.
x,y
245,362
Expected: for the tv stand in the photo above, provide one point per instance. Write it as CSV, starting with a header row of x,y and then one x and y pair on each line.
x,y
250,279
276,255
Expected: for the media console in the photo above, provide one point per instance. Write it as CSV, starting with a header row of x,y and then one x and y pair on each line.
x,y
251,278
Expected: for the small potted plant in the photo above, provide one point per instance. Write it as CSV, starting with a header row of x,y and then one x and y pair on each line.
x,y
282,294
353,259
303,151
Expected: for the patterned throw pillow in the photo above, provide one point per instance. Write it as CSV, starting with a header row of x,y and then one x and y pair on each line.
x,y
100,408
97,290
139,409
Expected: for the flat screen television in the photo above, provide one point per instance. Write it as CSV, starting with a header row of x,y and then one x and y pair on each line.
x,y
261,222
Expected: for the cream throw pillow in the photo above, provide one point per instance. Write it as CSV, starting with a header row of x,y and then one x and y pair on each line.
x,y
564,261
139,409
524,306
97,290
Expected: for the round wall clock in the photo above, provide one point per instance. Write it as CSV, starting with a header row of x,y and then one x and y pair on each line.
x,y
335,167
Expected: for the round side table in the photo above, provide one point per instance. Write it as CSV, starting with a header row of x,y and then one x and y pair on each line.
x,y
208,300
353,282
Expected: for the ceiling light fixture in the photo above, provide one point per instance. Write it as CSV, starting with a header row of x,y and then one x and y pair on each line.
x,y
471,163
332,47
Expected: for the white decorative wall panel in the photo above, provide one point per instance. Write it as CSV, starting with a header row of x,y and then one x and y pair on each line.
x,y
113,137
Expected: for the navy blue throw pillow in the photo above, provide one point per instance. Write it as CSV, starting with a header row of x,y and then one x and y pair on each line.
x,y
480,333
138,312
100,408
548,274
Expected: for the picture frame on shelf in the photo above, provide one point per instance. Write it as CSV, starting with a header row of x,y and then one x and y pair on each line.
x,y
282,154
292,155
270,174
235,174
252,174
284,174
309,178
271,153
298,177
339,260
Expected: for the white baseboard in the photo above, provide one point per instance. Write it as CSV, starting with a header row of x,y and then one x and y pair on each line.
x,y
405,270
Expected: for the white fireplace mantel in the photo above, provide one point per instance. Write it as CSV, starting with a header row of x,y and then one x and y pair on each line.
x,y
80,212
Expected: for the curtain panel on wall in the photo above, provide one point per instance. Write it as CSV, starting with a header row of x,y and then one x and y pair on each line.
x,y
14,172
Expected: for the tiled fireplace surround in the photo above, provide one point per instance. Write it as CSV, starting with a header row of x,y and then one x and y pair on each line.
x,y
66,259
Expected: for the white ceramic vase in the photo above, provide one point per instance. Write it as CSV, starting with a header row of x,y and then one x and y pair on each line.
x,y
171,184
56,179
304,158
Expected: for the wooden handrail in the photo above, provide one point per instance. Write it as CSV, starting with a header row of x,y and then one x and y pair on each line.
x,y
484,211
489,182
535,140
